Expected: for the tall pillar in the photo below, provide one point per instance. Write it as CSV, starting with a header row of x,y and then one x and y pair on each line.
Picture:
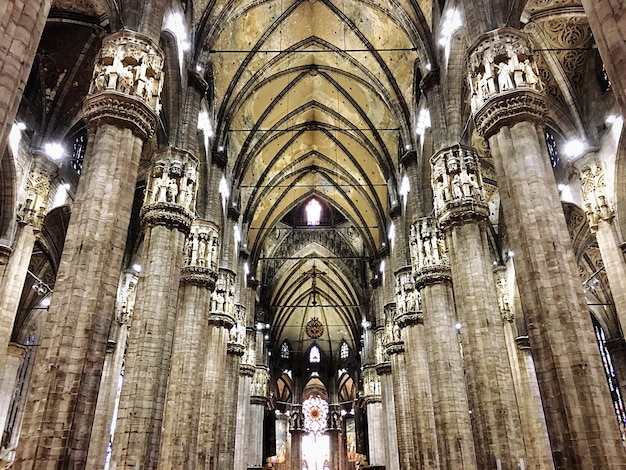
x,y
600,214
374,411
21,27
258,399
179,445
121,116
579,415
608,24
166,217
433,281
243,454
104,423
394,347
31,213
389,430
463,215
221,321
296,430
13,356
410,320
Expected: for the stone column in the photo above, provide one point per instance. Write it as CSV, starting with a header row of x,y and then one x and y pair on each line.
x,y
166,217
221,321
388,432
14,354
394,347
21,26
463,215
600,214
529,402
104,424
179,445
579,413
608,24
31,213
374,410
410,320
445,364
296,421
121,116
243,456
258,399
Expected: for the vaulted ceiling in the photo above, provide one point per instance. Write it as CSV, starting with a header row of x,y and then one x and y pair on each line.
x,y
310,99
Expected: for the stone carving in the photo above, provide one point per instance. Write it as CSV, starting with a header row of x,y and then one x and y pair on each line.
x,y
407,298
456,176
249,355
392,329
596,205
223,297
258,388
202,246
33,209
381,355
126,298
371,383
238,331
502,289
129,64
296,418
428,248
174,182
503,62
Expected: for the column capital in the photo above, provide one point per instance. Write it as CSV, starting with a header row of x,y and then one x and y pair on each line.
x,y
597,207
247,370
429,253
504,80
457,186
397,347
170,197
126,84
202,248
32,210
408,302
222,308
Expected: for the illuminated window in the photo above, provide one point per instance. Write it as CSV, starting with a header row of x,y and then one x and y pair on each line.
x,y
284,351
553,150
315,410
314,355
78,152
313,212
344,351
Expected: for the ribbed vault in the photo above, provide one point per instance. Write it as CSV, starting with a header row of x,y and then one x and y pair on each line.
x,y
312,99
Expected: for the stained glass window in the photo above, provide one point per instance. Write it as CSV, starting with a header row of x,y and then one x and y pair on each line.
x,y
616,394
315,411
78,152
314,354
553,150
313,212
345,351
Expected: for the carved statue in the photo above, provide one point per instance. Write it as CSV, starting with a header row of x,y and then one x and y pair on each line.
x,y
504,77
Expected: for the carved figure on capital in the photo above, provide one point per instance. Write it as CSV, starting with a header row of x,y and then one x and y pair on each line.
x,y
596,205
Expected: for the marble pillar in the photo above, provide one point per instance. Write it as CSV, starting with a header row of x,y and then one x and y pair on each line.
x,y
463,216
433,281
61,405
579,413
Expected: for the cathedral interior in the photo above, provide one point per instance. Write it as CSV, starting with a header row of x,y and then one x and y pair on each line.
x,y
312,234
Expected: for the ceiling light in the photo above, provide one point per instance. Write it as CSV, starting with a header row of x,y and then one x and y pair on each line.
x,y
21,126
610,119
458,326
137,268
574,148
54,150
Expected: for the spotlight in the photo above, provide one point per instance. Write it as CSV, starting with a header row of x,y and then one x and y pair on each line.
x,y
574,148
54,150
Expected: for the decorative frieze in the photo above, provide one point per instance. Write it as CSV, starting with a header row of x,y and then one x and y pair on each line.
x,y
127,82
457,185
171,193
501,62
597,206
202,248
